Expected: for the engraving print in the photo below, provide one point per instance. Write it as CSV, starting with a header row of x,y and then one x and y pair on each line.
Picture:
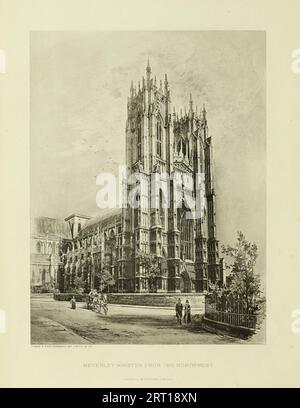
x,y
147,192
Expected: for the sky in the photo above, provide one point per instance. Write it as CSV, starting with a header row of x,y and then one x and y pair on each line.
x,y
79,84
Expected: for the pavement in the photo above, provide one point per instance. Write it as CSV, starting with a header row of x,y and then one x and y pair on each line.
x,y
54,322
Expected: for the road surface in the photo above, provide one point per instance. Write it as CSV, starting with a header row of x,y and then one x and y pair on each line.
x,y
54,322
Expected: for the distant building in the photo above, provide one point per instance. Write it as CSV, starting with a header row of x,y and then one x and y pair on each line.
x,y
47,235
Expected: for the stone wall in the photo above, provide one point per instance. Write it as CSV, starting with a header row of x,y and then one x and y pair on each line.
x,y
197,300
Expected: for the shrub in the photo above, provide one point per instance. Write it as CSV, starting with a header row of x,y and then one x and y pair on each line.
x,y
80,297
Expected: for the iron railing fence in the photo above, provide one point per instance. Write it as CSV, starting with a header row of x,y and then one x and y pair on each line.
x,y
231,311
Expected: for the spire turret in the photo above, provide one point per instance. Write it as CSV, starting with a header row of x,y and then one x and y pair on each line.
x,y
174,114
166,82
191,104
131,89
148,75
203,112
148,69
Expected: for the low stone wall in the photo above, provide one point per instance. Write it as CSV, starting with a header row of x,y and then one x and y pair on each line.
x,y
197,300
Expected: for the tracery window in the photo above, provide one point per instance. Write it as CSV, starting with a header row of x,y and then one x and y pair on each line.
x,y
136,212
158,139
139,142
161,209
187,238
186,228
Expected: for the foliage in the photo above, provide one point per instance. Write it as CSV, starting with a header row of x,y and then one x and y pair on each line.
x,y
244,283
152,267
80,297
105,278
78,285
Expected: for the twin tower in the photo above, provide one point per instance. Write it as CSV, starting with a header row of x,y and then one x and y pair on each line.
x,y
161,141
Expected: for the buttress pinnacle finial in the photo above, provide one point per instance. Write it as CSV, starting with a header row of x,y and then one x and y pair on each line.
x,y
204,112
148,69
131,88
191,103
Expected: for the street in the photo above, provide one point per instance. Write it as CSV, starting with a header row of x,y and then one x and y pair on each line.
x,y
54,322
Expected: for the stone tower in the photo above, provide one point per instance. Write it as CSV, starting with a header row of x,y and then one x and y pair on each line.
x,y
172,148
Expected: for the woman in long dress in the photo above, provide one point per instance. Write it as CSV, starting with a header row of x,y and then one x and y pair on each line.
x,y
187,312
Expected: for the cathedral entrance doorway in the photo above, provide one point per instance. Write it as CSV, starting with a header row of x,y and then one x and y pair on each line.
x,y
185,282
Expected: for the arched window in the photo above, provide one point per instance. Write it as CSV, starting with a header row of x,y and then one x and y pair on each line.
x,y
38,247
184,148
187,238
158,139
161,209
136,211
79,227
186,228
179,146
139,142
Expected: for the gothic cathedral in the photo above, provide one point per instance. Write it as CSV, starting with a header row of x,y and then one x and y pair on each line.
x,y
158,143
161,141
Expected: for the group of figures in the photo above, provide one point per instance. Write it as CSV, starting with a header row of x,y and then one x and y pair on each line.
x,y
97,302
186,308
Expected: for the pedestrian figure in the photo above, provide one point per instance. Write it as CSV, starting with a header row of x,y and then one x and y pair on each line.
x,y
104,304
90,299
99,303
178,310
73,303
187,312
95,300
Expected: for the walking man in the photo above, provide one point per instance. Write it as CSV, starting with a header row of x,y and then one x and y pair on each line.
x,y
178,309
104,304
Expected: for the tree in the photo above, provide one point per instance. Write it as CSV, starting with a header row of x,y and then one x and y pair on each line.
x,y
105,278
85,271
67,278
152,266
78,285
244,284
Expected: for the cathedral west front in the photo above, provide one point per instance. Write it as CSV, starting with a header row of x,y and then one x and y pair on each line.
x,y
164,145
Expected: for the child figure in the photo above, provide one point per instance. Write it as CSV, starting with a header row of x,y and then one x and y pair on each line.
x,y
73,303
